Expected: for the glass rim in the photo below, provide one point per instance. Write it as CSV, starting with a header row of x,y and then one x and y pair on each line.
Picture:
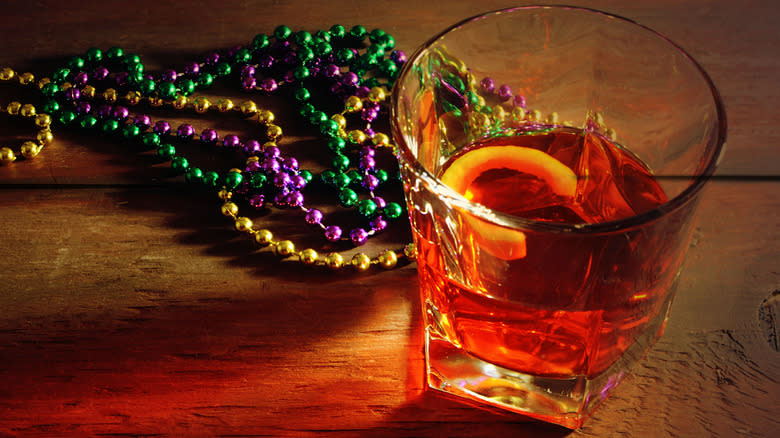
x,y
494,216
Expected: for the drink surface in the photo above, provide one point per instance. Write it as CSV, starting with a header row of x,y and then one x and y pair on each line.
x,y
568,304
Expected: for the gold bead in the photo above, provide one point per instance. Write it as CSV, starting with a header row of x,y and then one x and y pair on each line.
x,y
308,256
248,108
13,108
284,248
361,262
377,94
133,98
273,132
598,118
44,136
380,139
109,95
534,115
334,260
480,121
27,110
225,195
6,74
269,144
264,237
7,155
43,81
552,118
180,102
610,134
88,91
30,149
229,209
265,117
66,86
224,105
499,113
357,136
201,105
410,251
340,120
155,101
518,113
243,224
43,121
26,78
252,159
388,259
353,104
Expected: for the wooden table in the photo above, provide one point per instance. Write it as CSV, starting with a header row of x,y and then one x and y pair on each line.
x,y
130,307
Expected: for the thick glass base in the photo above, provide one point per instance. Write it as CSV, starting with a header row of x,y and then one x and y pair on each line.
x,y
564,401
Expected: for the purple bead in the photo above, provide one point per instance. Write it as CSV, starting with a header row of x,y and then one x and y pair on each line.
x,y
100,73
73,93
252,166
349,78
367,151
336,88
272,152
209,136
257,201
83,107
268,85
358,236
313,217
281,179
248,83
252,147
104,111
369,132
368,114
370,182
504,92
270,165
231,141
231,52
185,131
398,56
295,199
332,70
519,101
367,162
488,85
120,113
299,182
378,223
288,77
290,163
362,91
162,127
289,58
281,45
266,61
121,78
247,70
142,121
280,199
169,75
192,69
333,233
380,202
212,58
81,79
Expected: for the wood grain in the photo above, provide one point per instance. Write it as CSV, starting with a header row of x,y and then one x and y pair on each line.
x,y
129,306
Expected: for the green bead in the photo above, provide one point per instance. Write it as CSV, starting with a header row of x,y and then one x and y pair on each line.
x,y
193,175
338,31
211,179
132,59
302,94
135,77
166,151
147,86
367,207
150,140
344,56
94,55
179,164
167,90
358,32
327,176
205,80
51,106
88,121
388,67
130,131
282,32
301,72
348,197
375,50
323,48
322,35
137,68
232,180
223,69
472,97
392,210
381,175
60,76
115,53
387,41
317,118
336,144
67,117
372,82
50,89
261,41
303,38
243,56
340,180
340,162
329,127
305,55
186,86
306,110
376,34
306,175
76,63
257,180
354,175
109,126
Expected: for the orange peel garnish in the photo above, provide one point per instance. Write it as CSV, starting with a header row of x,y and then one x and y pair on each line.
x,y
500,241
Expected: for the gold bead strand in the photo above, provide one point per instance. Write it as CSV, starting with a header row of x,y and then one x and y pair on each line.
x,y
31,148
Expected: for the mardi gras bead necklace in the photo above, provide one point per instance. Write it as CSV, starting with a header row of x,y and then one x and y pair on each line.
x,y
30,148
